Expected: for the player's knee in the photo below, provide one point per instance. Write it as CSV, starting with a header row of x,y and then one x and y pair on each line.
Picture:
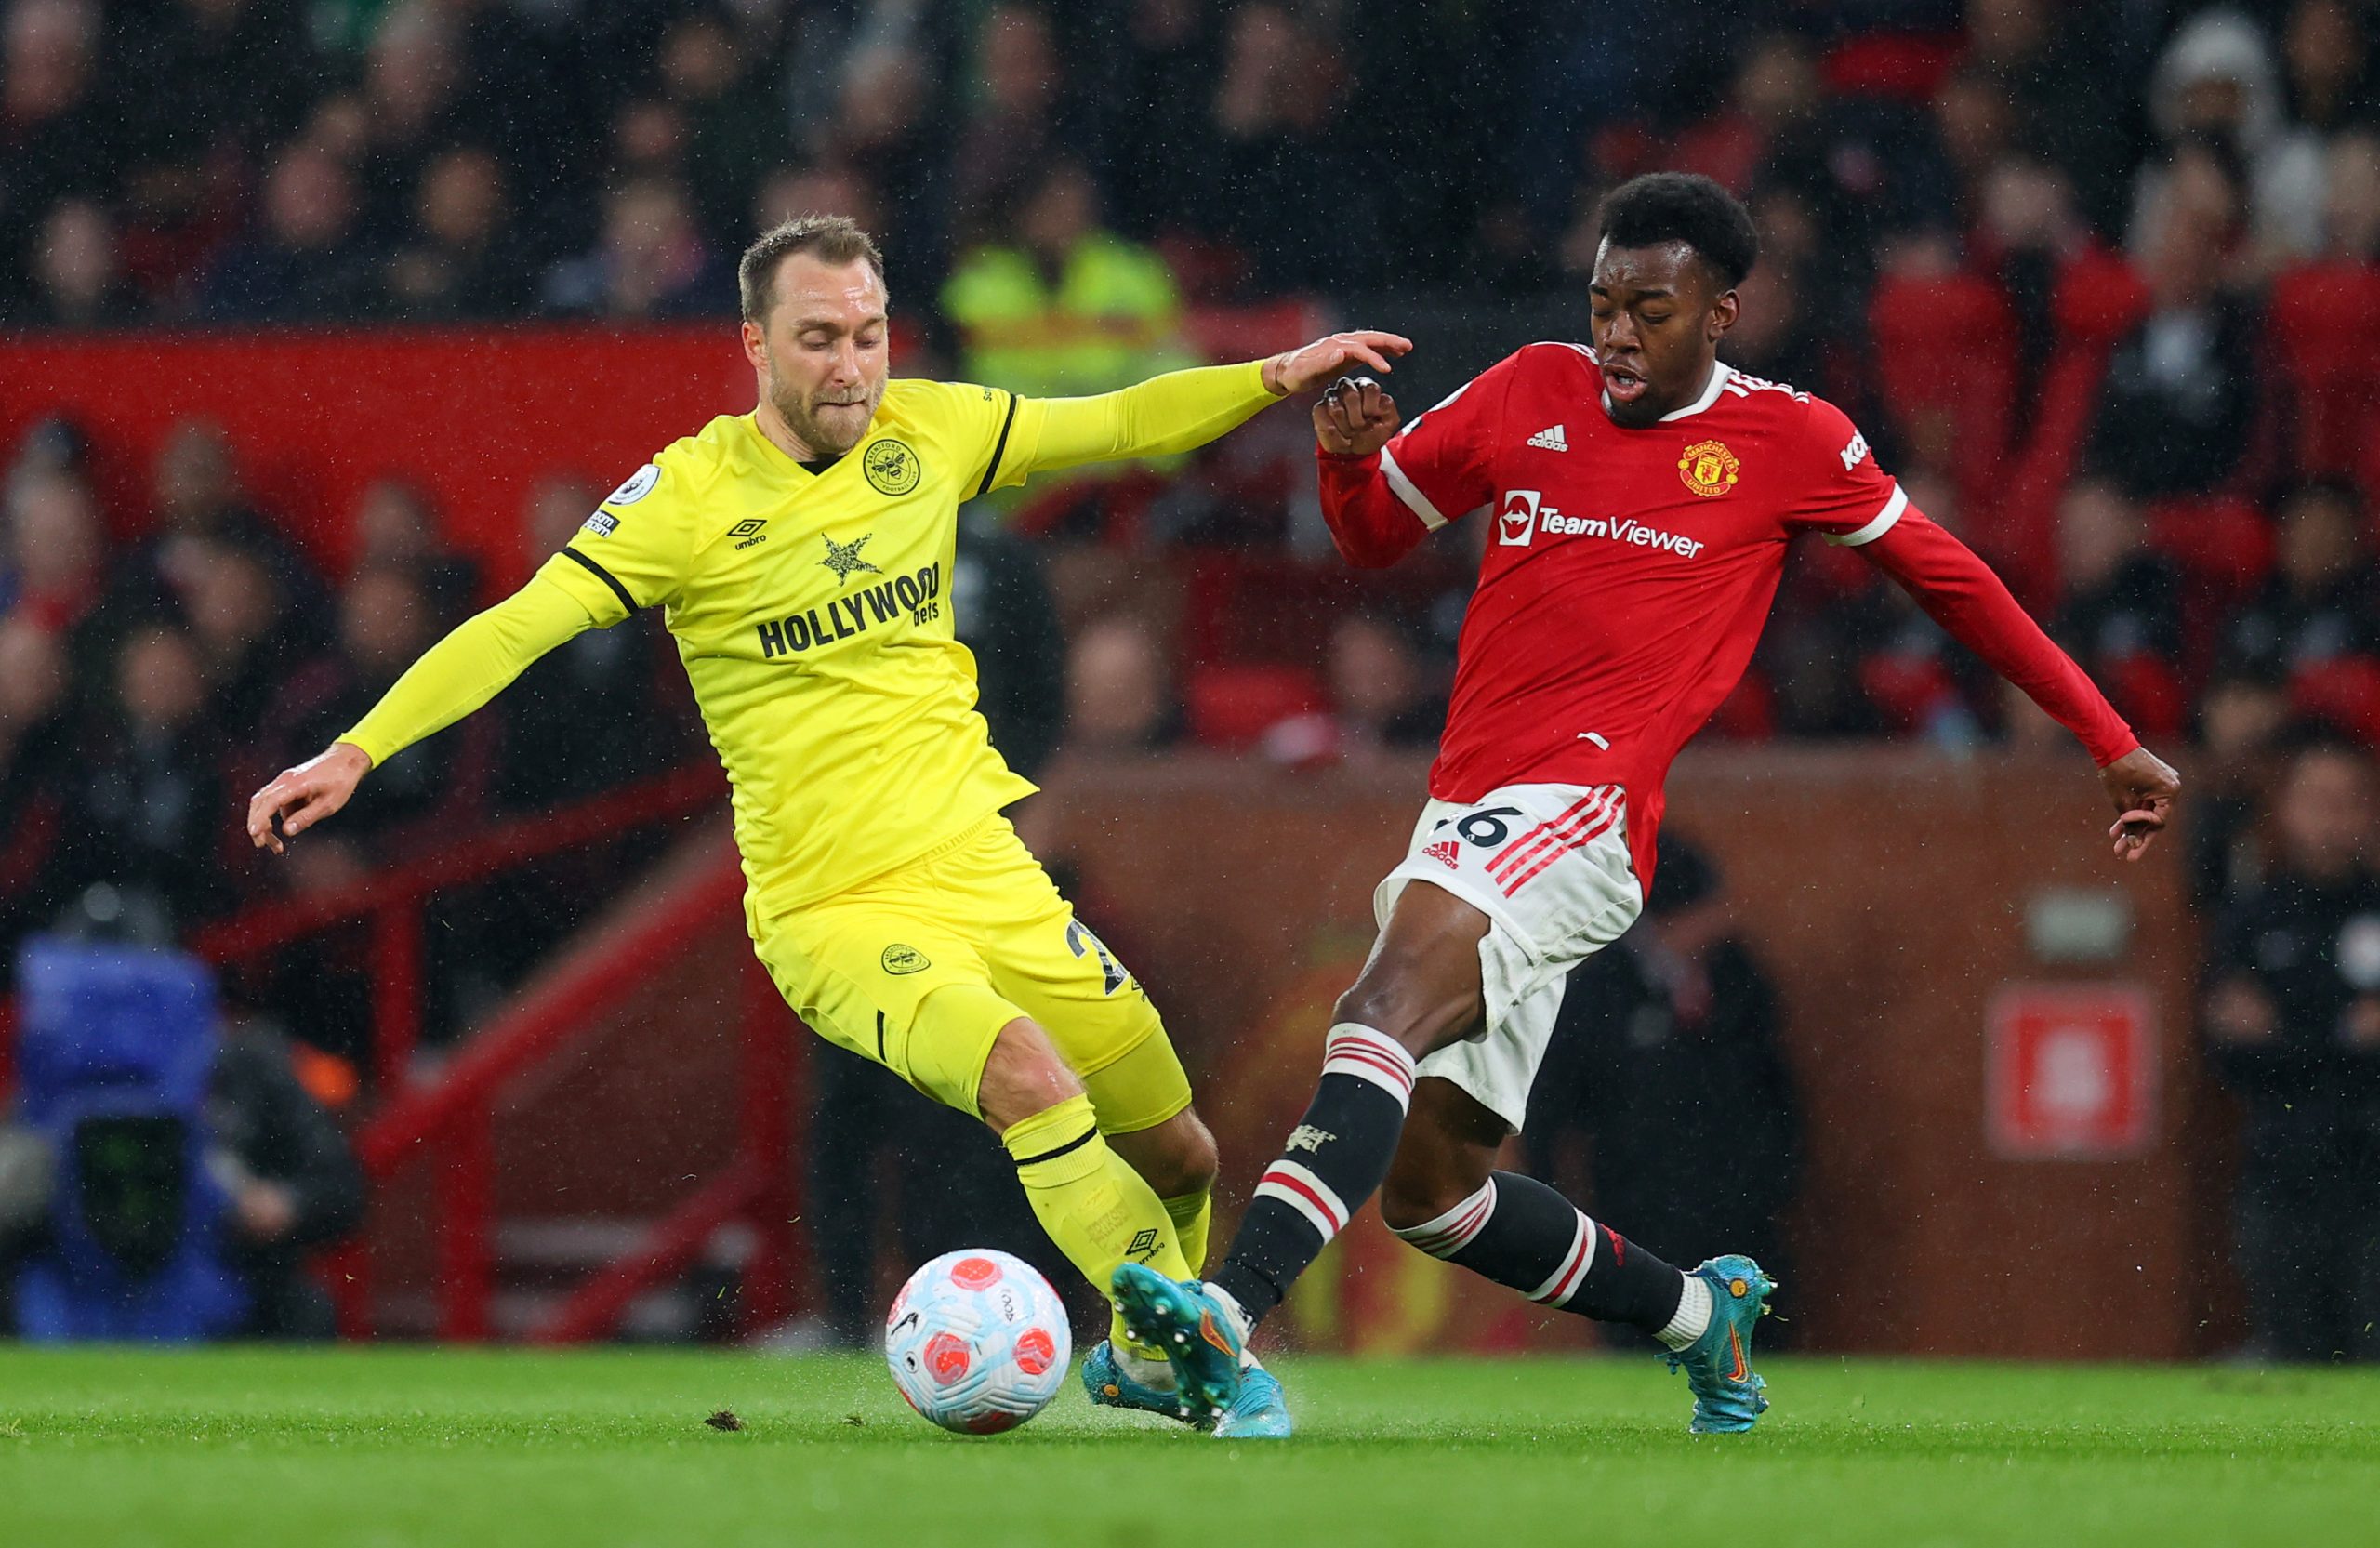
x,y
1435,1170
1189,1163
1414,1197
1023,1076
1406,1006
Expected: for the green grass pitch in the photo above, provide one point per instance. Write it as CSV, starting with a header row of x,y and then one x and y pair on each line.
x,y
124,1450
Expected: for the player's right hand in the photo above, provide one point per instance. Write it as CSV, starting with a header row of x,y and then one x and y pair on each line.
x,y
299,798
2143,786
1356,418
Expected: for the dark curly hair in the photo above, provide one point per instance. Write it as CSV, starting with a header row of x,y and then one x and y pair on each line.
x,y
1684,206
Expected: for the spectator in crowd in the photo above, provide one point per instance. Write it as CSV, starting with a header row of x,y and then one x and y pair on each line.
x,y
146,807
2072,72
1063,307
604,677
195,493
2293,1026
55,138
2326,56
292,1177
1019,119
734,128
305,261
650,262
396,528
1670,1042
2119,603
2322,603
35,753
2351,209
2217,83
1278,110
78,281
1001,609
2181,397
384,622
208,79
410,90
55,551
1381,695
828,187
1168,56
463,258
2241,714
244,627
885,131
1120,689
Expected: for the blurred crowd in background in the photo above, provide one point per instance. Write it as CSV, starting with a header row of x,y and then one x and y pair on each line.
x,y
2100,280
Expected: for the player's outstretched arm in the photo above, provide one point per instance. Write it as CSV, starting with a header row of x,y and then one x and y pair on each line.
x,y
1962,594
452,678
1181,410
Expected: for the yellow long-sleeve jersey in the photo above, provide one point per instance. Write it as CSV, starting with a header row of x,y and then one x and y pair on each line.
x,y
813,613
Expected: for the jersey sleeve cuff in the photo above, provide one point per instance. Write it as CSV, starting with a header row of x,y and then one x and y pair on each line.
x,y
1882,524
372,748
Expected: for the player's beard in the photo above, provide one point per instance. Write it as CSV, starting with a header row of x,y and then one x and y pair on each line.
x,y
826,435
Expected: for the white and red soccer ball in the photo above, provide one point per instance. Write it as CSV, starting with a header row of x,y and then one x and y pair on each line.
x,y
977,1342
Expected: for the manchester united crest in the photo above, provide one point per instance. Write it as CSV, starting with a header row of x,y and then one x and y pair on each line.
x,y
1709,468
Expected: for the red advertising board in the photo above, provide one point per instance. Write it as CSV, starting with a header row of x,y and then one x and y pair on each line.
x,y
2071,1071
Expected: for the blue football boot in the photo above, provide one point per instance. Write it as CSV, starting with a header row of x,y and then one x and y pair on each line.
x,y
1260,1412
1727,1396
1104,1378
1199,1338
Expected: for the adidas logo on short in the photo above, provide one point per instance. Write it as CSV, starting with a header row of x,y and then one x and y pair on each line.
x,y
1446,851
1550,439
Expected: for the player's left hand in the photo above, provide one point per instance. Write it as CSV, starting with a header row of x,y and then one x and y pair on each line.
x,y
1304,369
2143,786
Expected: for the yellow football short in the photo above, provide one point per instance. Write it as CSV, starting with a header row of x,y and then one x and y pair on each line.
x,y
919,969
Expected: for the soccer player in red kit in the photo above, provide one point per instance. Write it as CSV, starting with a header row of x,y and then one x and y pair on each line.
x,y
1643,495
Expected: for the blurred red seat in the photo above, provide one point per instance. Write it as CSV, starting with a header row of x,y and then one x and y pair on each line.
x,y
2325,322
1232,704
1748,713
2345,692
2146,691
1946,360
2223,545
1907,687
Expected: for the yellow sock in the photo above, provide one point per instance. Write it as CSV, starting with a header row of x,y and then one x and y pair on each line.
x,y
1191,1215
1098,1212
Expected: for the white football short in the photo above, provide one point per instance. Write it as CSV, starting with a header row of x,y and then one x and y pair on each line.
x,y
1548,864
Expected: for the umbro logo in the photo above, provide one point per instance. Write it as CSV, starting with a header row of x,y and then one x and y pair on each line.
x,y
1550,439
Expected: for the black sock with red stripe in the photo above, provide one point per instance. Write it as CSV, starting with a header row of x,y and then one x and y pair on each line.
x,y
1336,1158
1518,1232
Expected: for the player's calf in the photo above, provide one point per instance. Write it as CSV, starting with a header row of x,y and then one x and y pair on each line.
x,y
1444,1197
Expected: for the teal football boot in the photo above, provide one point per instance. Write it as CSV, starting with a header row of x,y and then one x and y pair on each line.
x,y
1104,1378
1727,1396
1200,1339
1260,1412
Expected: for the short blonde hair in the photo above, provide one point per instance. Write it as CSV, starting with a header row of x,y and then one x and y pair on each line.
x,y
835,238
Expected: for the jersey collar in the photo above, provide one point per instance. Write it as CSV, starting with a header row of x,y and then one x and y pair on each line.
x,y
1720,372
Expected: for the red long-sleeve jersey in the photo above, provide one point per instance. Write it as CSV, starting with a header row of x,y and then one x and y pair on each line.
x,y
1631,571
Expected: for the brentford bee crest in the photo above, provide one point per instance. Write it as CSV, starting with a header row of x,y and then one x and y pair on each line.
x,y
1708,469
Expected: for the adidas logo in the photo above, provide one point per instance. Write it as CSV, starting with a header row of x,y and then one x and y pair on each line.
x,y
1446,851
1550,439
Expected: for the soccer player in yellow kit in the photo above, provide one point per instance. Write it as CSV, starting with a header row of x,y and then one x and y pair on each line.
x,y
802,555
